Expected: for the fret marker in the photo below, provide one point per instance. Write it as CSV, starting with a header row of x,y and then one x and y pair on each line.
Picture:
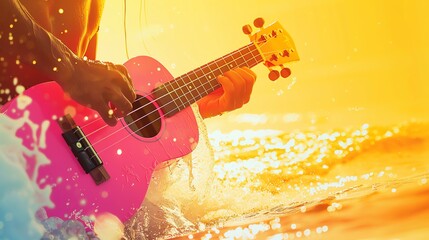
x,y
189,86
231,66
210,76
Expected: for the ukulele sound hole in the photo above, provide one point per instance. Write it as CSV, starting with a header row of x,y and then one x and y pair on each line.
x,y
144,119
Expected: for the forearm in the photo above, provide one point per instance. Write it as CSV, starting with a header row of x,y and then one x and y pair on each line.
x,y
23,40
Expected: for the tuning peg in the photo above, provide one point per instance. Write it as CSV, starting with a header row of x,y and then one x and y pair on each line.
x,y
273,75
259,22
263,38
274,58
247,29
274,33
285,72
285,53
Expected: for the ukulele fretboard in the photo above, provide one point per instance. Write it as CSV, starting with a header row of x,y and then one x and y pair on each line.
x,y
185,90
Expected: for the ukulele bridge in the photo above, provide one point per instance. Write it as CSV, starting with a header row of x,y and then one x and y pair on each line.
x,y
83,150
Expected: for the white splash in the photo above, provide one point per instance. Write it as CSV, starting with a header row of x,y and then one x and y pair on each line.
x,y
20,197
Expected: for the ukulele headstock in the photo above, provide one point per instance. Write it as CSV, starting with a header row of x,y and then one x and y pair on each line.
x,y
275,46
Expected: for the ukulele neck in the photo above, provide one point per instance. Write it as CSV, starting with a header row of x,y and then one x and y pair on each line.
x,y
188,88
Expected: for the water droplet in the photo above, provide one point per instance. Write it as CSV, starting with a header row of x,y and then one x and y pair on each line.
x,y
119,152
307,232
331,209
104,194
201,226
60,11
52,223
19,89
70,110
325,228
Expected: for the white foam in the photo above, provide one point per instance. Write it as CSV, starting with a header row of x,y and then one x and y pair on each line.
x,y
20,197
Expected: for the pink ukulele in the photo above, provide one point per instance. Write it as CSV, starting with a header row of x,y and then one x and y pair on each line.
x,y
96,168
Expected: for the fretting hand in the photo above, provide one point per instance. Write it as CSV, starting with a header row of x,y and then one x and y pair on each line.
x,y
237,85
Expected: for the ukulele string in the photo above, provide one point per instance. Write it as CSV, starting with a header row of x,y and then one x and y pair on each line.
x,y
173,100
110,135
130,134
251,52
206,66
179,88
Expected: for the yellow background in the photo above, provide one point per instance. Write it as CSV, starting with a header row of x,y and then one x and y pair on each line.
x,y
361,61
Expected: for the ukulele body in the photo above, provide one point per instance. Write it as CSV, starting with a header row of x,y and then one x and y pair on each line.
x,y
129,154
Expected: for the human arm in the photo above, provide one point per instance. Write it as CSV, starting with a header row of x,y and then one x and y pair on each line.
x,y
237,85
93,84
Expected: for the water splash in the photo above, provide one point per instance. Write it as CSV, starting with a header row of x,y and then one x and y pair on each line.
x,y
20,197
265,173
22,202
